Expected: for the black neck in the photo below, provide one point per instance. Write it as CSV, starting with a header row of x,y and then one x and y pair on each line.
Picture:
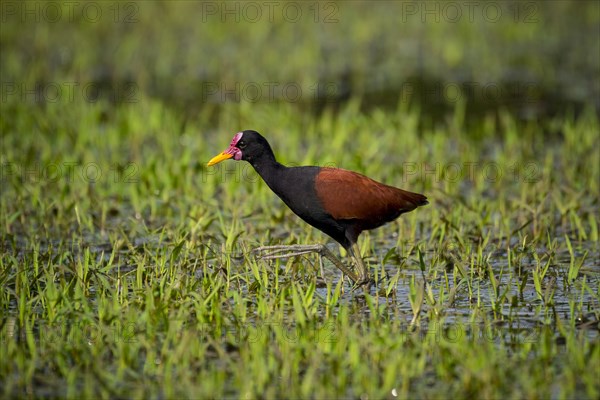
x,y
269,169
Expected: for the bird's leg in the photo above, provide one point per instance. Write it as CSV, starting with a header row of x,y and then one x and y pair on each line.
x,y
363,272
287,251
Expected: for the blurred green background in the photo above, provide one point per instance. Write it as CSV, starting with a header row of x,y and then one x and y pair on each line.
x,y
535,58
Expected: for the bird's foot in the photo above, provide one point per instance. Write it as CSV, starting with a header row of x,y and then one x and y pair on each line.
x,y
365,283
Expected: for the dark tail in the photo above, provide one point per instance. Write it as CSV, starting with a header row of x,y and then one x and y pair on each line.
x,y
411,200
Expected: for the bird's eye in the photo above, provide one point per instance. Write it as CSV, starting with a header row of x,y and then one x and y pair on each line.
x,y
241,144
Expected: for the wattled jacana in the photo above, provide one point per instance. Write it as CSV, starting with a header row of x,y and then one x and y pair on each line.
x,y
338,202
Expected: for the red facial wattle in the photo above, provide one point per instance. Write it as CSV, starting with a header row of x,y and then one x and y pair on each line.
x,y
232,152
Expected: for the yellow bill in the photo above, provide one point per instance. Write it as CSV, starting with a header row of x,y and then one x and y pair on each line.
x,y
217,159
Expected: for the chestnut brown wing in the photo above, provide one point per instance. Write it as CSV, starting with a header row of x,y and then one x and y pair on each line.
x,y
347,195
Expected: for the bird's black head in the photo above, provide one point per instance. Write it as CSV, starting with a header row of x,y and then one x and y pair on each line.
x,y
247,145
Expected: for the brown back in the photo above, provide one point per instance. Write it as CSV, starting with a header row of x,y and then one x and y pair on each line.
x,y
347,195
